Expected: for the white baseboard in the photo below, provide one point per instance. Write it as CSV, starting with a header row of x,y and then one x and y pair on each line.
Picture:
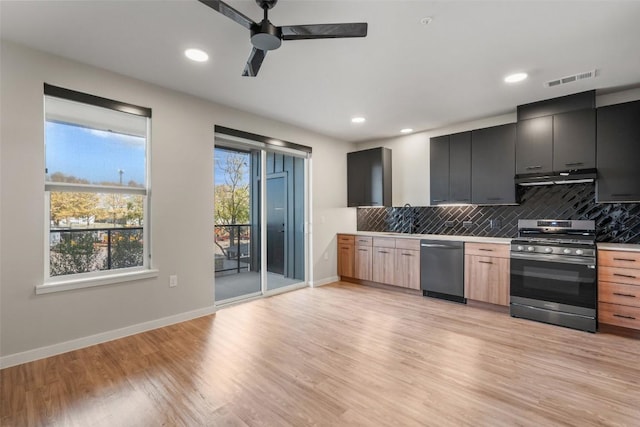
x,y
325,281
63,347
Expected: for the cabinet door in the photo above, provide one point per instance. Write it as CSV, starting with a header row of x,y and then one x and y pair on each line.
x,y
534,145
460,168
574,140
618,151
493,165
369,177
407,268
346,260
439,169
362,267
383,266
358,178
486,279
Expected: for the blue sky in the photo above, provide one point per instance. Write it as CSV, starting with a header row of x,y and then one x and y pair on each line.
x,y
94,155
220,158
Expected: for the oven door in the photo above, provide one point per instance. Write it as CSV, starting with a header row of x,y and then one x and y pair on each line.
x,y
554,278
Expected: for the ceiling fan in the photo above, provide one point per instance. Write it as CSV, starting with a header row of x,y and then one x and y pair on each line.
x,y
266,36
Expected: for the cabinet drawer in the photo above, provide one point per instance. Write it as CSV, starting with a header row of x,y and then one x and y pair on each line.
x,y
487,249
619,315
617,293
619,259
411,244
363,240
384,242
628,276
346,239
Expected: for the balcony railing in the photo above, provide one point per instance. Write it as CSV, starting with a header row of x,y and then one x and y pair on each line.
x,y
80,250
233,247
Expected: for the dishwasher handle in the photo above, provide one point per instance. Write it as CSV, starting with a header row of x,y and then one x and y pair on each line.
x,y
438,245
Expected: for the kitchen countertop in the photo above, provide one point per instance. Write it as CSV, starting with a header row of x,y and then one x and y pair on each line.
x,y
629,247
475,239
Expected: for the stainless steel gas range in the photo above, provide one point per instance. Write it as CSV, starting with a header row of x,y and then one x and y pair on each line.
x,y
553,273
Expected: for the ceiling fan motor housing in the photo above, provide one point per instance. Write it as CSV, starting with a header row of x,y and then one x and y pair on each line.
x,y
266,36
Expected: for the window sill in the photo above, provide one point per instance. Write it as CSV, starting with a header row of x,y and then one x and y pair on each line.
x,y
89,282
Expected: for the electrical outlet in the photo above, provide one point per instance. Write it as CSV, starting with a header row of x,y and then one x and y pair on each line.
x,y
173,281
467,224
495,223
449,224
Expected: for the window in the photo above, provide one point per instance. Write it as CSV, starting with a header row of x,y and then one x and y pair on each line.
x,y
96,186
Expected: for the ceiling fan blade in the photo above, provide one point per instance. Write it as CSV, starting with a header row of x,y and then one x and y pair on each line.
x,y
254,62
323,31
229,12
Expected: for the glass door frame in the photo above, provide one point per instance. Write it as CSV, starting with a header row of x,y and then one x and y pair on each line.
x,y
224,140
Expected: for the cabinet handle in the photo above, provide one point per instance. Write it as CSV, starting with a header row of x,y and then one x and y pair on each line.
x,y
624,317
624,259
624,275
574,164
485,262
624,295
363,241
533,167
364,250
345,247
494,198
486,250
407,255
439,200
383,252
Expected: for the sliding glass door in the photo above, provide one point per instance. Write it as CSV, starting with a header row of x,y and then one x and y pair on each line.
x,y
260,242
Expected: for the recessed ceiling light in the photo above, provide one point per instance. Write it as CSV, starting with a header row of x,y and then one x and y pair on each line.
x,y
426,20
406,130
514,78
358,120
196,55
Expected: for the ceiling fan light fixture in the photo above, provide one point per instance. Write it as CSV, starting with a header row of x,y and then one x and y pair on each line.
x,y
406,130
196,55
358,120
515,78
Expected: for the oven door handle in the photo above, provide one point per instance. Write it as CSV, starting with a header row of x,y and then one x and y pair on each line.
x,y
560,259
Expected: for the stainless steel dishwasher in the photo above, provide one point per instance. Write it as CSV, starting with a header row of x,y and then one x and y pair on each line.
x,y
442,269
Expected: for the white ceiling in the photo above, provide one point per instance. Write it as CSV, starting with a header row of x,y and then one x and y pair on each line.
x,y
403,74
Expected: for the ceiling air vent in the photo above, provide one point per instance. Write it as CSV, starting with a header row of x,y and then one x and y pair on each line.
x,y
573,78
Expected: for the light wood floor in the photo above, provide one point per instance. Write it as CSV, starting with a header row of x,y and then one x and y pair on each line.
x,y
342,354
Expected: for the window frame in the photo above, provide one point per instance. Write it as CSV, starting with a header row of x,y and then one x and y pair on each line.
x,y
98,277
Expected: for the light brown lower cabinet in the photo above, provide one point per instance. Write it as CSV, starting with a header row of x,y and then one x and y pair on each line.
x,y
384,265
346,255
486,273
407,272
619,288
363,258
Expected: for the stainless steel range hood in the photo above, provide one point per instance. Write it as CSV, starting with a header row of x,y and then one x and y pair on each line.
x,y
565,177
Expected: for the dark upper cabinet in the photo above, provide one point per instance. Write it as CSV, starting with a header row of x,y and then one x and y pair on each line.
x,y
369,177
574,140
534,147
493,165
450,168
460,167
439,169
556,135
618,153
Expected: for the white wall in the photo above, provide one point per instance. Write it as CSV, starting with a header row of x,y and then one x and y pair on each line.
x,y
182,198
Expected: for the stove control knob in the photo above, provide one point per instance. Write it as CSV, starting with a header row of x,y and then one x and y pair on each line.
x,y
579,252
548,250
567,251
520,248
531,248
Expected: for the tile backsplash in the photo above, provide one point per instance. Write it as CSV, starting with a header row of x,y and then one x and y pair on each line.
x,y
615,222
